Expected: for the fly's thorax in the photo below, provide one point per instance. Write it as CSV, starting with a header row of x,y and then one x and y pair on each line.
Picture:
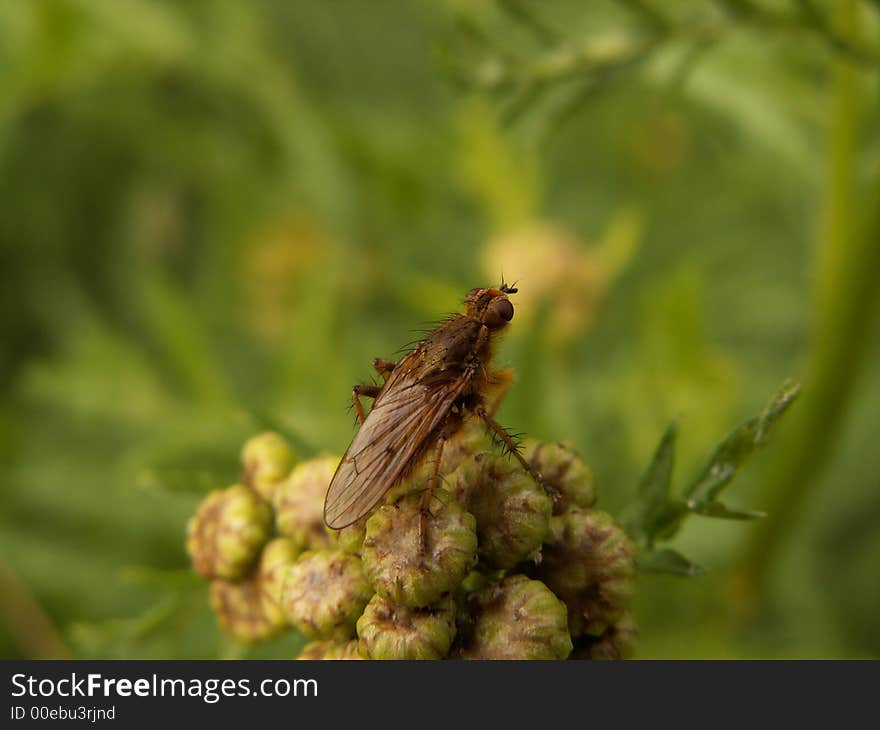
x,y
454,342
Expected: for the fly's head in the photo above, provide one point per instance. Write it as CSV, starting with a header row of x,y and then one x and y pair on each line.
x,y
490,307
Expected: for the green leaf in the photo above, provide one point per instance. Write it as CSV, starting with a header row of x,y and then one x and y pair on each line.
x,y
521,13
654,487
716,509
666,520
738,446
668,561
656,516
653,490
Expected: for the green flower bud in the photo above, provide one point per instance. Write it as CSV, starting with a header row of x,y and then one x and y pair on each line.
x,y
467,478
351,539
299,502
324,593
474,581
414,572
567,477
267,459
279,555
401,490
388,631
239,608
590,563
512,511
618,641
315,650
227,531
330,650
470,440
517,618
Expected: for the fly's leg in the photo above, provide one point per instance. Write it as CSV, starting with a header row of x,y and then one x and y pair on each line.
x,y
428,495
501,381
383,367
367,391
498,430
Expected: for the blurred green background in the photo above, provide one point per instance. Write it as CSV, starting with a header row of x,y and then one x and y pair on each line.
x,y
214,214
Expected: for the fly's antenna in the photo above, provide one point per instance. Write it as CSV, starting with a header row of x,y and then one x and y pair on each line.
x,y
508,288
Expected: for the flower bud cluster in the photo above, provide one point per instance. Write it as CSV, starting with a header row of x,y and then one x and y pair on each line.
x,y
496,566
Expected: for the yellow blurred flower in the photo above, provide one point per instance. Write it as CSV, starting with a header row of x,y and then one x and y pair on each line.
x,y
274,261
557,270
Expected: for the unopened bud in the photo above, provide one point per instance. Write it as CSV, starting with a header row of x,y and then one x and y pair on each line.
x,y
330,650
590,563
512,511
324,593
267,459
279,555
350,539
567,477
469,440
299,502
239,608
389,631
517,618
227,532
618,641
412,558
475,581
467,477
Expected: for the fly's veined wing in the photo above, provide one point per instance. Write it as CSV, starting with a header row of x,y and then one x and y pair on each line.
x,y
403,416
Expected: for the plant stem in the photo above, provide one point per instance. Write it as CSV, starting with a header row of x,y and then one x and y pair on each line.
x,y
846,297
568,60
27,623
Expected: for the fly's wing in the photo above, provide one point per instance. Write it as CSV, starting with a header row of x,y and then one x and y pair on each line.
x,y
383,450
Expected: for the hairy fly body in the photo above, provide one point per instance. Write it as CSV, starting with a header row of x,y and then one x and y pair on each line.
x,y
425,400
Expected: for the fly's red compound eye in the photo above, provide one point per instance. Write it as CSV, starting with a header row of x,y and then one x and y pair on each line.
x,y
498,313
504,309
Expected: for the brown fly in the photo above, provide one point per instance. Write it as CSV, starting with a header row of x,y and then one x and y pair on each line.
x,y
426,398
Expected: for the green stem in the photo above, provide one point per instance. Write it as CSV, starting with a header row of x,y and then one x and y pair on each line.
x,y
846,296
600,57
26,621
